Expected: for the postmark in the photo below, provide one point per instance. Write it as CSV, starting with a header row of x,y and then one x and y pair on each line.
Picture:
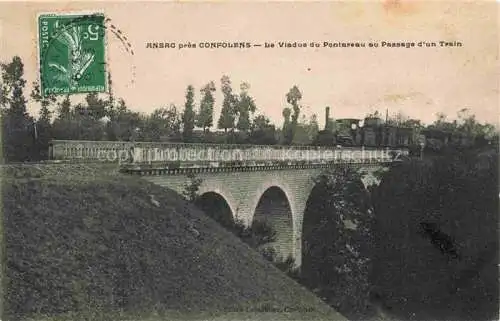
x,y
72,53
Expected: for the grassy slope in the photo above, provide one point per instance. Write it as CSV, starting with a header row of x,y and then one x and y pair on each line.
x,y
81,242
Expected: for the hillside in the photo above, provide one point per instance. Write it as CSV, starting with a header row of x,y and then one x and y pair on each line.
x,y
436,253
81,241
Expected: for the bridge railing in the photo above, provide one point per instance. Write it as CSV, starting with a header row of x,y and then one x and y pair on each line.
x,y
161,152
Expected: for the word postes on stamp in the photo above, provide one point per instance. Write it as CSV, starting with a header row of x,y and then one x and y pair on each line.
x,y
72,53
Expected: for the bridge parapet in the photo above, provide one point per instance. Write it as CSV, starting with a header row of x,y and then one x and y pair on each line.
x,y
213,155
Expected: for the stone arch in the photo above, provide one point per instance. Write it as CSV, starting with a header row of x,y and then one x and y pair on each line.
x,y
275,209
324,224
217,206
307,219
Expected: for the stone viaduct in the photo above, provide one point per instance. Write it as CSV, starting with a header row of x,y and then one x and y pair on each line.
x,y
246,185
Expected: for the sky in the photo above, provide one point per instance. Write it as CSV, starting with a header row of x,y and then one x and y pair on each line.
x,y
418,81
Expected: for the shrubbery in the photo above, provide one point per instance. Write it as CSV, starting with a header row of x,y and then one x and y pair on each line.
x,y
337,238
258,236
436,238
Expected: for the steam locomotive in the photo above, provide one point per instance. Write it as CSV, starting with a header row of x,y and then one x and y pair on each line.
x,y
369,132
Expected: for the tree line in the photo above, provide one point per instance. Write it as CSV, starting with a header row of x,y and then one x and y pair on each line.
x,y
106,117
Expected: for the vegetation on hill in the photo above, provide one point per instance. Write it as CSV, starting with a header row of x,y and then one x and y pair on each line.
x,y
83,246
436,241
422,245
337,242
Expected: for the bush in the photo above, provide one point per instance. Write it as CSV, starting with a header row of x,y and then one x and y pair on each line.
x,y
436,238
337,242
257,237
191,189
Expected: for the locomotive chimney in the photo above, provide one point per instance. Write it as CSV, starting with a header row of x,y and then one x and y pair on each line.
x,y
327,118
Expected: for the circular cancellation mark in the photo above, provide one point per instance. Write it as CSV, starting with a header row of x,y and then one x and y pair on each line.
x,y
73,52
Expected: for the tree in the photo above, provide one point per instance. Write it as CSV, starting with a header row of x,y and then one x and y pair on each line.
x,y
123,123
45,102
111,98
465,124
87,125
313,127
337,239
17,125
96,107
229,106
398,119
441,123
375,114
205,116
188,117
262,131
287,127
191,190
439,218
306,131
246,107
64,108
163,122
63,126
293,97
83,121
43,126
469,126
3,91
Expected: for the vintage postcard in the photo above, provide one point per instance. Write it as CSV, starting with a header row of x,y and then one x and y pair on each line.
x,y
235,160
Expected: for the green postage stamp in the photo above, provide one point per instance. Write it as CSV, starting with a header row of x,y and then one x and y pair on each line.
x,y
72,53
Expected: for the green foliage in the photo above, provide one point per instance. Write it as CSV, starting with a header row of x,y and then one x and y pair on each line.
x,y
451,275
286,265
262,132
17,126
401,120
191,189
78,124
246,107
43,126
96,108
188,117
337,238
260,233
64,108
12,85
306,131
465,124
162,123
123,123
79,246
205,116
312,127
230,103
258,236
293,97
287,126
45,103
